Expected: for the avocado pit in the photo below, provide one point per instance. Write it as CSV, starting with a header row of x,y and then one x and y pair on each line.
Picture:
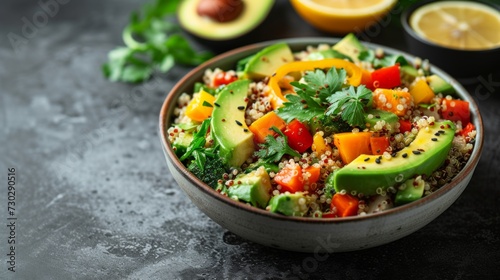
x,y
220,10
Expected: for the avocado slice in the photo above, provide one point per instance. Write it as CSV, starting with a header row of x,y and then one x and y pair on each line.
x,y
350,46
254,188
408,72
289,204
424,155
411,190
439,85
182,142
329,53
252,14
228,126
380,115
265,62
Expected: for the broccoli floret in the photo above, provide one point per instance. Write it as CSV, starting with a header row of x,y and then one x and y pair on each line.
x,y
212,172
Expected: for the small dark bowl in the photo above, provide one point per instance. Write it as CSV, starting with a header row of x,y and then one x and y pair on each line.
x,y
463,65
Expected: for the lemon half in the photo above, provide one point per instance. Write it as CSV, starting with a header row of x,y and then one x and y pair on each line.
x,y
342,16
458,25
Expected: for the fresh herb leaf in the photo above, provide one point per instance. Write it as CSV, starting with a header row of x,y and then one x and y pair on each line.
x,y
385,61
350,103
311,97
197,145
153,44
300,106
207,104
275,148
325,84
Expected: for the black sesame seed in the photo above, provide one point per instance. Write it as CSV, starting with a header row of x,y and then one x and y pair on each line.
x,y
416,152
241,107
217,104
377,160
394,154
238,123
437,134
434,139
405,155
367,159
441,131
245,130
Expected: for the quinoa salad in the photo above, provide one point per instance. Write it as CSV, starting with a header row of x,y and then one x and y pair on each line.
x,y
330,131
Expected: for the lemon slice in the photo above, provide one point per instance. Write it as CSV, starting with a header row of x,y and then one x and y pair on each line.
x,y
458,25
342,16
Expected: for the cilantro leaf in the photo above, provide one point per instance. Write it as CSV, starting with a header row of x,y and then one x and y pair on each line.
x,y
300,106
275,148
326,84
311,97
350,103
153,44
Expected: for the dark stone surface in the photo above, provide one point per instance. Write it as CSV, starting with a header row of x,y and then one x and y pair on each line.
x,y
95,200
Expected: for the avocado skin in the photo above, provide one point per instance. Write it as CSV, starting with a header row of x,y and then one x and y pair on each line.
x,y
254,188
288,204
228,126
366,177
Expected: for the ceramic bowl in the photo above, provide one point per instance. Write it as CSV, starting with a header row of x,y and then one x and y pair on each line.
x,y
309,234
464,65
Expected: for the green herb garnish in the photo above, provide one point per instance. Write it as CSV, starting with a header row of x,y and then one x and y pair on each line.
x,y
350,104
323,96
310,98
153,43
275,148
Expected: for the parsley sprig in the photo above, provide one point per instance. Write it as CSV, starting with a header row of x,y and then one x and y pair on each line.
x,y
275,148
325,97
350,103
153,44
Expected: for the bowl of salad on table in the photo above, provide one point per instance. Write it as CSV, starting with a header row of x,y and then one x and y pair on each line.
x,y
320,144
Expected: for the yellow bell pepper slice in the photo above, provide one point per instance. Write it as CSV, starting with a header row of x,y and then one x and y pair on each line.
x,y
354,74
421,92
201,106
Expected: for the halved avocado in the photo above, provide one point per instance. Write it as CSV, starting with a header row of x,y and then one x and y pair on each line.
x,y
252,14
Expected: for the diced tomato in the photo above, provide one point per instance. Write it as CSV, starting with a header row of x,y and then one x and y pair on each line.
x,y
223,78
366,79
290,179
379,144
386,77
466,130
314,173
299,137
345,205
404,126
456,110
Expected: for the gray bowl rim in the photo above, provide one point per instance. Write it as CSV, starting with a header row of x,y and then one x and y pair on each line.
x,y
295,44
405,17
